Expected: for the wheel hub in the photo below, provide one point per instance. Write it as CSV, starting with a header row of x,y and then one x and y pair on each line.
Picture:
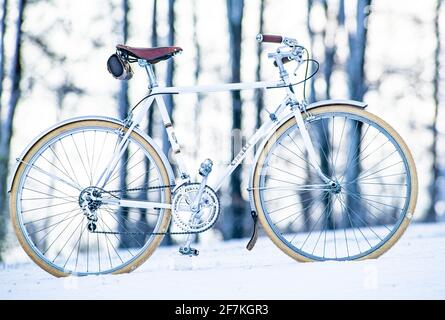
x,y
335,187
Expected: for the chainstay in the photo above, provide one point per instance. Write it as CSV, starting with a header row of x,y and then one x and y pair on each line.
x,y
140,189
155,233
151,233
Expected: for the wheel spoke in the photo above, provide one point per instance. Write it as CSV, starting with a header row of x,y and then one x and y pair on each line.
x,y
77,242
339,147
323,213
358,215
62,170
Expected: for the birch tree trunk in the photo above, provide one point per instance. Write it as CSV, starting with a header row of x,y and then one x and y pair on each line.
x,y
235,10
7,123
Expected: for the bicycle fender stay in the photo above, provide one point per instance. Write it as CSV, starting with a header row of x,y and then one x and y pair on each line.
x,y
318,104
103,118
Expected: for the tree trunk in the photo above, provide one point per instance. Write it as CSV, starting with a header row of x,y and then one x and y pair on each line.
x,y
235,10
357,89
326,149
259,93
7,123
2,48
169,82
197,72
327,36
125,240
154,43
431,215
142,223
311,32
170,71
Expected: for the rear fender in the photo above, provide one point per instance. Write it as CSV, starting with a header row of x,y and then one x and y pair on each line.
x,y
113,120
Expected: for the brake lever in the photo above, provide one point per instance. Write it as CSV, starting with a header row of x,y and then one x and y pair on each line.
x,y
299,63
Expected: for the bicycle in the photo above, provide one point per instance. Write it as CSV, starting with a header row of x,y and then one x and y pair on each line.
x,y
95,195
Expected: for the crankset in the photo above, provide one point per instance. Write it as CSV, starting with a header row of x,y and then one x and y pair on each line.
x,y
195,208
205,215
209,209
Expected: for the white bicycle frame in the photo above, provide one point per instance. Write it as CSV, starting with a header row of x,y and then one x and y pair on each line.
x,y
157,94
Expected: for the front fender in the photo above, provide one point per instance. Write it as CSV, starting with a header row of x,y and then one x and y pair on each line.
x,y
318,104
137,130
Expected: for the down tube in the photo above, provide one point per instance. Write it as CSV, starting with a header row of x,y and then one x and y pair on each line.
x,y
261,132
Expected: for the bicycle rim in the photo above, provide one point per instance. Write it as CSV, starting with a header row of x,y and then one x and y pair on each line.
x,y
360,219
49,221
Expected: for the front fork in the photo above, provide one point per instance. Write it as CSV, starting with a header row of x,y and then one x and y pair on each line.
x,y
297,112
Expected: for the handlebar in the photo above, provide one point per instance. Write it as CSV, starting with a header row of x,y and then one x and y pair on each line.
x,y
290,42
283,55
269,38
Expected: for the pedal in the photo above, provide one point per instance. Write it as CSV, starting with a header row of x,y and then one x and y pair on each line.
x,y
254,237
204,171
188,251
206,167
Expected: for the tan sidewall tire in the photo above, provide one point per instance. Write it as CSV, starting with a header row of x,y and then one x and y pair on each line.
x,y
57,131
355,111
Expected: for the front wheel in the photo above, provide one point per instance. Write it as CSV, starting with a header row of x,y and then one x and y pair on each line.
x,y
364,208
48,192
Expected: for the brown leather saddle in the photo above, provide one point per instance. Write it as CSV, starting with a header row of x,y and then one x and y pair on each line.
x,y
152,55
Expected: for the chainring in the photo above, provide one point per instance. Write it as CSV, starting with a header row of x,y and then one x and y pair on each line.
x,y
205,218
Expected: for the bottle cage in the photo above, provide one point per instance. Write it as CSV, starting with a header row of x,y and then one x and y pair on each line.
x,y
119,67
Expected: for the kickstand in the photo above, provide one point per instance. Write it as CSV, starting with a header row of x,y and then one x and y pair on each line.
x,y
254,237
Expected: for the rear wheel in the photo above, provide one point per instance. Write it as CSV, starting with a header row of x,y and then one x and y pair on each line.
x,y
365,207
56,174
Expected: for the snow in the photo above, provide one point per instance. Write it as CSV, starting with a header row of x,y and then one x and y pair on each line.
x,y
412,269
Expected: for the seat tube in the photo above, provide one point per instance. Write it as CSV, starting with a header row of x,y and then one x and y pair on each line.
x,y
152,83
172,138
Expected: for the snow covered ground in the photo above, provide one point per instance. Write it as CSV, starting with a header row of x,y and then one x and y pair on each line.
x,y
412,269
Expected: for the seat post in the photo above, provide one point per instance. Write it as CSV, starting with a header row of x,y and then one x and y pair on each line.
x,y
152,81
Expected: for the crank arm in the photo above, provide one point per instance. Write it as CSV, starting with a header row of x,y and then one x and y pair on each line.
x,y
204,171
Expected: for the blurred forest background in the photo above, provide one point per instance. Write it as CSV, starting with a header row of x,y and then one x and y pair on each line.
x,y
387,53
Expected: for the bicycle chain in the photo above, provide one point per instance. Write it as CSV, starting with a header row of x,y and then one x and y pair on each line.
x,y
149,233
